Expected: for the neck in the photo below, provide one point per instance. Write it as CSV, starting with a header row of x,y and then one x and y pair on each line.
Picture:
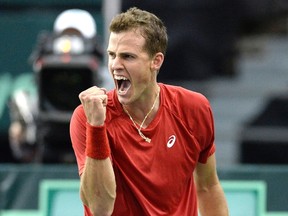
x,y
143,124
143,116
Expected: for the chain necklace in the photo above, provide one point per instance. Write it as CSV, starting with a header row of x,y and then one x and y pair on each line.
x,y
141,125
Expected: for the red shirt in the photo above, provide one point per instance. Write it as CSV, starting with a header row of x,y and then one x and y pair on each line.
x,y
154,178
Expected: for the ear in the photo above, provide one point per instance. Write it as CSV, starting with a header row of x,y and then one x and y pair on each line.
x,y
157,61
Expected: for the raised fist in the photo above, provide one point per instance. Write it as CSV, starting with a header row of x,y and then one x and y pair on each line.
x,y
94,101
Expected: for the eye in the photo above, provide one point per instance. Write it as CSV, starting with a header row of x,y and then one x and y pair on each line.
x,y
111,55
128,56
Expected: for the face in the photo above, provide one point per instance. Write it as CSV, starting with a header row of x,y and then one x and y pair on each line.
x,y
133,70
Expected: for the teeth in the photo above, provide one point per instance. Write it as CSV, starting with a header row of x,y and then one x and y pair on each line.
x,y
120,77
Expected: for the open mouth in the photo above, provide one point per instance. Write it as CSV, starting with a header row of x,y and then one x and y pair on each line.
x,y
122,84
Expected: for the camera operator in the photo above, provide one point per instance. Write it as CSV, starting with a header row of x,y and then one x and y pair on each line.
x,y
65,62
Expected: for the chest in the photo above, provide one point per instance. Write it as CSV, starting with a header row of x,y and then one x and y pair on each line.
x,y
172,147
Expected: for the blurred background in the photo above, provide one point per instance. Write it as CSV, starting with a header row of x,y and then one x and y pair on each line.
x,y
234,52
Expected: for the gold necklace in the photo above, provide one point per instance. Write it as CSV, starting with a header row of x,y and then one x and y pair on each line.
x,y
141,125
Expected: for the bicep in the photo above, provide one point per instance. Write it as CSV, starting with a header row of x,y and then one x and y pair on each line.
x,y
205,174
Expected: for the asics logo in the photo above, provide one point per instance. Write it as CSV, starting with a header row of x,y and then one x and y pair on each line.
x,y
171,141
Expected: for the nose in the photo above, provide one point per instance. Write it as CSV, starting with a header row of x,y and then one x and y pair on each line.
x,y
116,63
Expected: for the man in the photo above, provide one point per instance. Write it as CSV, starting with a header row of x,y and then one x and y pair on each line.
x,y
144,148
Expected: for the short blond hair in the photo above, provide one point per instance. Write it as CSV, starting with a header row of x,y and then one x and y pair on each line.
x,y
151,27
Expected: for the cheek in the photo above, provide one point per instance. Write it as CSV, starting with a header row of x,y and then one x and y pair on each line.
x,y
142,78
109,65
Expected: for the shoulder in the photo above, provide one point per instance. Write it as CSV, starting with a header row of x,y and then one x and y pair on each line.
x,y
79,112
78,118
189,106
179,96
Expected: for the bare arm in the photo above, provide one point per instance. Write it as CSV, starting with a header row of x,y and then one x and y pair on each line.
x,y
97,189
98,186
211,198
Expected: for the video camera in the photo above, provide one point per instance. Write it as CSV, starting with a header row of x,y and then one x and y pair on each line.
x,y
65,62
67,65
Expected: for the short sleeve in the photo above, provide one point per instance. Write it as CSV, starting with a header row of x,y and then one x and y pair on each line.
x,y
208,133
78,136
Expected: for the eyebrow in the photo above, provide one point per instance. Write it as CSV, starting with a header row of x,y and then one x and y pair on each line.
x,y
122,53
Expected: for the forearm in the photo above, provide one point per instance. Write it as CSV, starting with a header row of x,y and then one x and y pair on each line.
x,y
98,187
211,201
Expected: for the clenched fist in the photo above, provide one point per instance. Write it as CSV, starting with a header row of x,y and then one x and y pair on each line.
x,y
94,101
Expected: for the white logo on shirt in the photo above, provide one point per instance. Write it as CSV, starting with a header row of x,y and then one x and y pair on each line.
x,y
171,141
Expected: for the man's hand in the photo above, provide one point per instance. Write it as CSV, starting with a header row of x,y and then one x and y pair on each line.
x,y
94,101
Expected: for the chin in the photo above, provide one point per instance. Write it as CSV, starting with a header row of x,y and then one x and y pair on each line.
x,y
123,99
